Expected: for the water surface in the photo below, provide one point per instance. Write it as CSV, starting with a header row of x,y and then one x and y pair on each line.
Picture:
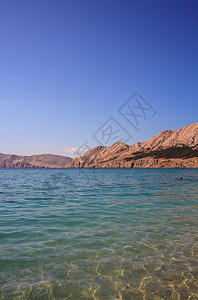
x,y
98,234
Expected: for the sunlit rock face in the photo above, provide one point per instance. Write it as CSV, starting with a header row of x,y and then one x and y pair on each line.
x,y
168,149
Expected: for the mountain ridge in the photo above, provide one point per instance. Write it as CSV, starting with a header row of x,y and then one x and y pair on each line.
x,y
169,148
33,161
117,155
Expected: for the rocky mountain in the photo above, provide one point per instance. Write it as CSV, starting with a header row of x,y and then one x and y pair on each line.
x,y
169,148
33,161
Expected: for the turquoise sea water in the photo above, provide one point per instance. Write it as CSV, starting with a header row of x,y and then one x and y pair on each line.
x,y
98,234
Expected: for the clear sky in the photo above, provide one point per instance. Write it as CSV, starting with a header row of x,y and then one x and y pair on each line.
x,y
66,66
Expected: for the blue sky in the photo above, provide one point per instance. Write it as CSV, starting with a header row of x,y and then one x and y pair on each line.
x,y
67,66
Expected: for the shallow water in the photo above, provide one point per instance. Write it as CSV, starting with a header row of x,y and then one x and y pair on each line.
x,y
98,234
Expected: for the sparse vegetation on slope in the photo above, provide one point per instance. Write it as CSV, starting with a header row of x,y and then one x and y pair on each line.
x,y
172,152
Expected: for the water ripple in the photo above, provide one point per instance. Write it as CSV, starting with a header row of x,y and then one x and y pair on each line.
x,y
98,234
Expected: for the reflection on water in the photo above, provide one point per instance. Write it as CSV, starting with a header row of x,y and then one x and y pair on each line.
x,y
112,234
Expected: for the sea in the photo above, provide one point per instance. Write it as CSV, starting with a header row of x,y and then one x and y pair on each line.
x,y
104,234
